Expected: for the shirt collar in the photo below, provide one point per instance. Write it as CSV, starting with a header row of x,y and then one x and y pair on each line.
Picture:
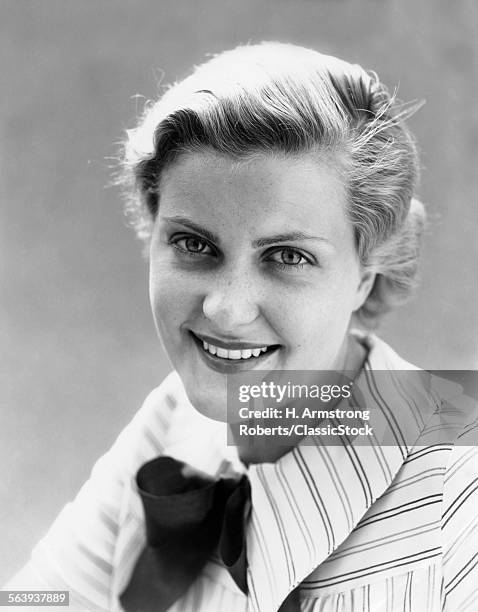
x,y
309,501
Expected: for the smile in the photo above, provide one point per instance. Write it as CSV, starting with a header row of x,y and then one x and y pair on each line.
x,y
231,356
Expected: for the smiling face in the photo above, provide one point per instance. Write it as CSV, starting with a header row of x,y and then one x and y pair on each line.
x,y
254,261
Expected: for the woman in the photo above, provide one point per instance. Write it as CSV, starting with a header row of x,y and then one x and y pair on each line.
x,y
274,189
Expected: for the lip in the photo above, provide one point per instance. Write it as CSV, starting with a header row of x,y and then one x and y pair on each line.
x,y
231,366
230,345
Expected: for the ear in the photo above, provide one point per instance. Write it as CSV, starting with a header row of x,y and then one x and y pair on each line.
x,y
364,288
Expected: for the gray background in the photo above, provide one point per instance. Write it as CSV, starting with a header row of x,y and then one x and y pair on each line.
x,y
78,348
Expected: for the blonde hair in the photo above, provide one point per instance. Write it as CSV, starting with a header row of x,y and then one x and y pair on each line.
x,y
281,98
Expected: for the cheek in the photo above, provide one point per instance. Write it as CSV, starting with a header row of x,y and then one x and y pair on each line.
x,y
167,294
320,314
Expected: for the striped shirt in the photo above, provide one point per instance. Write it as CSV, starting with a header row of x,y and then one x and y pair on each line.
x,y
355,528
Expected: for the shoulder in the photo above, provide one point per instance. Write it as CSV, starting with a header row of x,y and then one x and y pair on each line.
x,y
150,430
451,416
164,402
460,528
452,427
460,485
78,551
459,522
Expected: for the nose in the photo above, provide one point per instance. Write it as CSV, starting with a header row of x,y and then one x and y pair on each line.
x,y
232,302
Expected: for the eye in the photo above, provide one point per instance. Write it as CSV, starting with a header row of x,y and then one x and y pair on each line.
x,y
289,258
193,245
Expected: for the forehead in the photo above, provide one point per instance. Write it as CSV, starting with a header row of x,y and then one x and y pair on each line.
x,y
261,190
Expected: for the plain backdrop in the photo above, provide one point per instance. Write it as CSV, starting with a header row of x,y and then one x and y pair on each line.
x,y
78,347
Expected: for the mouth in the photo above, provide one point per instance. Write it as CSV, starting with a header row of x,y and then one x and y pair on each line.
x,y
232,355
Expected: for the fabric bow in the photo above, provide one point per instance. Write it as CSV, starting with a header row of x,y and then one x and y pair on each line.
x,y
188,515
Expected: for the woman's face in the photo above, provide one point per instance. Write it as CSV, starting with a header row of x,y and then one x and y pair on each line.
x,y
253,266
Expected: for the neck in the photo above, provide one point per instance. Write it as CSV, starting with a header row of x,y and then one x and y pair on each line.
x,y
262,450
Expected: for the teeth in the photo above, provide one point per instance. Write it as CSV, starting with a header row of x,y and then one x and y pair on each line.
x,y
209,347
236,354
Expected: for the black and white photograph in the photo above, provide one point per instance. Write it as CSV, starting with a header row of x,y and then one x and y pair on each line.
x,y
239,322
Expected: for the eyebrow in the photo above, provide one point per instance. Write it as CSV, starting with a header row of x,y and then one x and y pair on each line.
x,y
194,226
260,242
288,237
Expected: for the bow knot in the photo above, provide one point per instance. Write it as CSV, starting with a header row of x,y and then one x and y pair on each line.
x,y
188,515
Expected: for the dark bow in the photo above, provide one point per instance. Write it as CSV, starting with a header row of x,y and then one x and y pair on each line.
x,y
188,515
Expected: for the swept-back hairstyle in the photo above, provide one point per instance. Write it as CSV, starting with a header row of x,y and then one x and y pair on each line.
x,y
277,98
